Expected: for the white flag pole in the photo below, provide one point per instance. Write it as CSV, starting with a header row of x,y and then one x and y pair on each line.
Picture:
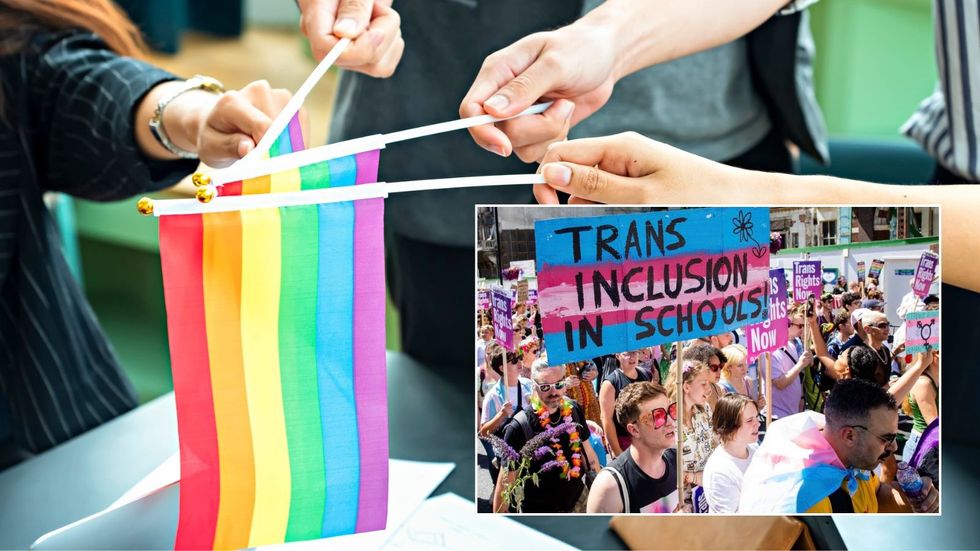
x,y
327,195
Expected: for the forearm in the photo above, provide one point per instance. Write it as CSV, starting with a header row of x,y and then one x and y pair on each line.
x,y
505,478
612,438
956,204
786,379
493,424
671,29
903,385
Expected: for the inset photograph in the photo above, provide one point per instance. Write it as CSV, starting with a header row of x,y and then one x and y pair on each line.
x,y
719,360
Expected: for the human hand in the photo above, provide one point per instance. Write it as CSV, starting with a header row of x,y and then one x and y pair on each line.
x,y
930,503
806,358
230,126
372,25
589,375
572,381
630,168
548,65
507,409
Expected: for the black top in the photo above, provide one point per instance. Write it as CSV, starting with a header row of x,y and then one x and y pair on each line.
x,y
446,43
68,106
553,494
620,381
644,490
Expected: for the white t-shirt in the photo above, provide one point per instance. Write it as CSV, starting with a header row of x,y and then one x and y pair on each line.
x,y
493,400
723,479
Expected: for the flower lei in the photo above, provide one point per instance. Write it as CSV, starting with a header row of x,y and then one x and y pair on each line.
x,y
575,441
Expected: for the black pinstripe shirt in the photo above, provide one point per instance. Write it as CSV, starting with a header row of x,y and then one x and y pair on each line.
x,y
68,107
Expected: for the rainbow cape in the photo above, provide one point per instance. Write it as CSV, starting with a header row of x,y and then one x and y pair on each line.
x,y
793,469
276,325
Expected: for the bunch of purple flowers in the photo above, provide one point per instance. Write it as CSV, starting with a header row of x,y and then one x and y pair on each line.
x,y
536,449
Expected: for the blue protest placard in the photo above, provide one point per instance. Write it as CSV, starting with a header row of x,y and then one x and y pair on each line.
x,y
612,283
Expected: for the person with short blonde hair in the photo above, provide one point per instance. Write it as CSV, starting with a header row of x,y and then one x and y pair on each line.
x,y
735,374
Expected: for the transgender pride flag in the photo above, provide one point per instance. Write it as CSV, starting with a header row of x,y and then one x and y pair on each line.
x,y
276,324
793,469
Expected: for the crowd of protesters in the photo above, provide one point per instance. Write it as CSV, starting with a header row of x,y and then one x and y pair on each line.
x,y
601,435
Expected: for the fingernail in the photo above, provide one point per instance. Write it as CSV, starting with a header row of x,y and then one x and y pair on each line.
x,y
377,37
345,26
498,102
244,147
496,149
556,173
567,110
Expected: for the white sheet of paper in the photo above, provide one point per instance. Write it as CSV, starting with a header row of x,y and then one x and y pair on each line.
x,y
451,522
167,473
409,484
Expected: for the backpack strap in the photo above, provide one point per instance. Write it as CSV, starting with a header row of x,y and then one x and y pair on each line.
x,y
623,494
525,423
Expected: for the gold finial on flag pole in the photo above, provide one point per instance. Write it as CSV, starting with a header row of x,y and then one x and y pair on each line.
x,y
145,206
201,179
204,194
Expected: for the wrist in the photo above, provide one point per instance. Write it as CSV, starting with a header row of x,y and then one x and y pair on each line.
x,y
185,116
609,24
178,111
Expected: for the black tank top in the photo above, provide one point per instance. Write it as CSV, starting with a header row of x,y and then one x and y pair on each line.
x,y
644,490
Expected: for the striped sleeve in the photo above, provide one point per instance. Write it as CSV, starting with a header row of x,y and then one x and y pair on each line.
x,y
83,99
945,123
795,6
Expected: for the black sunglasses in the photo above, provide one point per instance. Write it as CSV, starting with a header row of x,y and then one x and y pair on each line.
x,y
887,439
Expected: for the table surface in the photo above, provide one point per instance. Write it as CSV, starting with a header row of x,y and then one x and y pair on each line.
x,y
430,412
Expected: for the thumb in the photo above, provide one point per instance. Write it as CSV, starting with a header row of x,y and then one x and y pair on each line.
x,y
352,17
220,151
594,184
522,91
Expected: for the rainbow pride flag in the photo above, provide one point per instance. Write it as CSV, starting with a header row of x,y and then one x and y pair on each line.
x,y
793,469
276,324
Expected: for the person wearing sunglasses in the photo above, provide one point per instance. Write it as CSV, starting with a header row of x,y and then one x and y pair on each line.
x,y
530,347
851,300
736,422
499,405
644,478
851,439
699,439
560,489
628,372
710,355
872,328
787,363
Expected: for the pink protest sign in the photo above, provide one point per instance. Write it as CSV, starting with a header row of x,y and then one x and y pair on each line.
x,y
774,332
921,331
924,274
807,280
